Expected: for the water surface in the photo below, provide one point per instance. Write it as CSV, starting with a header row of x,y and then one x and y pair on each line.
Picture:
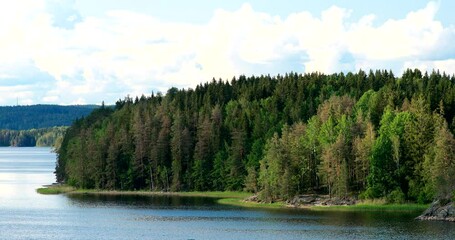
x,y
24,214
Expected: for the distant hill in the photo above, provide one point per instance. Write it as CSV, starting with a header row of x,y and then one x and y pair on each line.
x,y
41,116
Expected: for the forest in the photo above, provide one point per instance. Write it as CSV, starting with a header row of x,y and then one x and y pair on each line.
x,y
366,134
43,137
41,116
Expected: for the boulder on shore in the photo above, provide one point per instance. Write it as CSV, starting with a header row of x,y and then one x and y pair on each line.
x,y
310,200
438,211
320,200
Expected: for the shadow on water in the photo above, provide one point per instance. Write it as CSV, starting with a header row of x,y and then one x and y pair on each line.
x,y
142,201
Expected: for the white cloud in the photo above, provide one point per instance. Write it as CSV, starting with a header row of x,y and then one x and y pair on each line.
x,y
410,37
122,52
447,66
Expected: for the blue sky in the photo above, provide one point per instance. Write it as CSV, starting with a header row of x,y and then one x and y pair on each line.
x,y
84,51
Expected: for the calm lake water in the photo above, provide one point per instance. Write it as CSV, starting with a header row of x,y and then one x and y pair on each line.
x,y
24,214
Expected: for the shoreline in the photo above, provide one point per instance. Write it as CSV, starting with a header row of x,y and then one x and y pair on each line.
x,y
358,207
238,199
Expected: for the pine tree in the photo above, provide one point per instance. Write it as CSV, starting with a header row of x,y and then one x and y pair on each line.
x,y
439,163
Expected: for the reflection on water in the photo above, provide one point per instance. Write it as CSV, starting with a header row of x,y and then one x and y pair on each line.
x,y
141,201
24,214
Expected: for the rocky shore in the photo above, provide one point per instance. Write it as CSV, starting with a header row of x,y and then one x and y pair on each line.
x,y
312,200
439,211
320,200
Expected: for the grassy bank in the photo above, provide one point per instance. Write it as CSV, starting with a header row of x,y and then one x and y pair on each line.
x,y
241,203
222,195
55,189
237,199
368,206
61,189
405,207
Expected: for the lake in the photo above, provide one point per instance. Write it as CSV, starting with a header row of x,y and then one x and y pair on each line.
x,y
24,214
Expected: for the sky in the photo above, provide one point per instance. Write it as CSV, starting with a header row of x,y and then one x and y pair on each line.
x,y
85,52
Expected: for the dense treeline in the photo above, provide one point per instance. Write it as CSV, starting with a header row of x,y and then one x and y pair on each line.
x,y
44,137
41,116
371,134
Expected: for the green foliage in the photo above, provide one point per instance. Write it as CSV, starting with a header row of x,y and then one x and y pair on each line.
x,y
439,165
387,165
55,189
396,196
370,193
271,171
280,136
362,150
283,171
251,182
382,207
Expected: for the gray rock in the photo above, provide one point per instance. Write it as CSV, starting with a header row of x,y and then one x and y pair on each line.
x,y
303,199
439,212
253,198
324,200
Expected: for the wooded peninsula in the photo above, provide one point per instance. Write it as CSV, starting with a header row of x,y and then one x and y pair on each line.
x,y
43,137
369,135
